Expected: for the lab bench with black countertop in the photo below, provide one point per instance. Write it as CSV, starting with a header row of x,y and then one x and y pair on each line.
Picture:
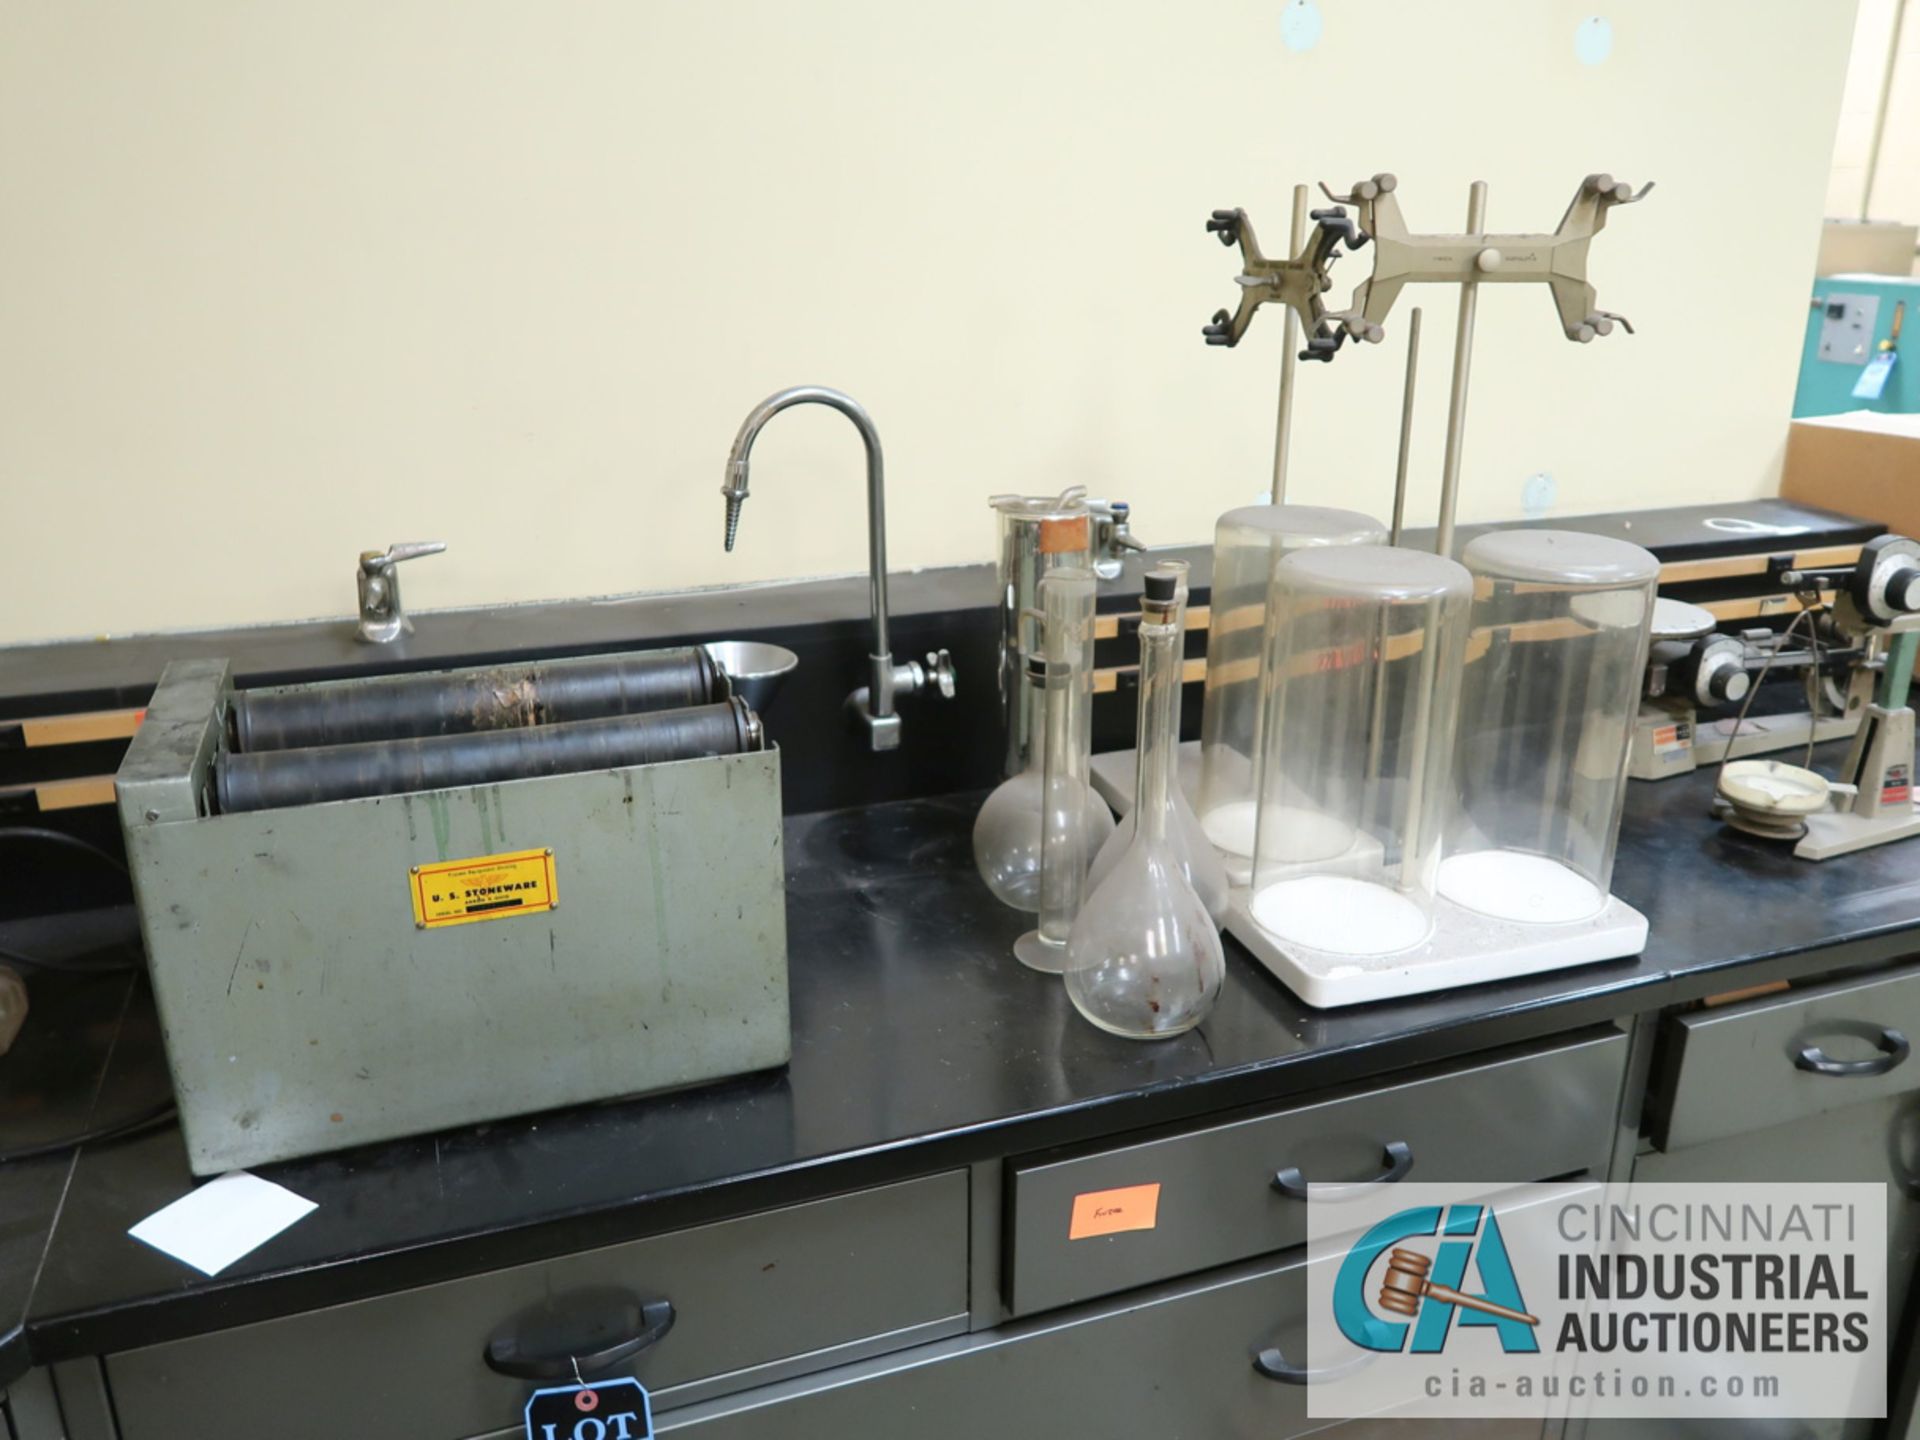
x,y
874,1240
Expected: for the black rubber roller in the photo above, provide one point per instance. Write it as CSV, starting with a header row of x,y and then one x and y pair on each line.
x,y
311,775
463,702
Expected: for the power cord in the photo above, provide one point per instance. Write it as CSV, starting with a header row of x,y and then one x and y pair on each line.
x,y
76,966
48,836
137,1124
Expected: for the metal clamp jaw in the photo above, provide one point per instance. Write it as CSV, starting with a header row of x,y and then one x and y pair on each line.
x,y
382,620
1557,259
882,720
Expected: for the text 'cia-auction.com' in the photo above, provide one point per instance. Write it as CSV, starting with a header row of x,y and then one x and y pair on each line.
x,y
1721,1301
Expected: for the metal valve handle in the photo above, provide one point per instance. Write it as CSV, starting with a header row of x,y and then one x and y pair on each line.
x,y
382,620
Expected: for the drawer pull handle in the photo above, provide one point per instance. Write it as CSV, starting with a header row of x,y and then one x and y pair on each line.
x,y
1275,1366
1893,1048
1396,1162
641,1323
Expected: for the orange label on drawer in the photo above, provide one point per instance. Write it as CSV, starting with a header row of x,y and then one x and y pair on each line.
x,y
1108,1212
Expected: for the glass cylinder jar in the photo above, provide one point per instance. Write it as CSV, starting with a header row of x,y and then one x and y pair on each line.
x,y
1144,959
1037,534
1247,544
1555,662
1362,682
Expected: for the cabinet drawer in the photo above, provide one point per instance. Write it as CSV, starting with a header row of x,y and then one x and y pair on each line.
x,y
1527,1115
1749,1066
755,1299
1172,1362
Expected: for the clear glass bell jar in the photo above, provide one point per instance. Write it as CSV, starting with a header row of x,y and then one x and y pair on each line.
x,y
1247,544
1555,659
1362,677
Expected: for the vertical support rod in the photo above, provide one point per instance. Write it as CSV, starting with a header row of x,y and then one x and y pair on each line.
x,y
1897,678
1462,364
1880,108
1406,431
1290,340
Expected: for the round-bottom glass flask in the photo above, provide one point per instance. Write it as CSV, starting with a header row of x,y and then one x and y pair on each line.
x,y
1009,832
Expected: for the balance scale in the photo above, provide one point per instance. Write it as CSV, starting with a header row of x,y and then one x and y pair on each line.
x,y
1465,947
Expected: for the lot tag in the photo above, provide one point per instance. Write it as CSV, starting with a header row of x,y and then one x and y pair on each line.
x,y
605,1410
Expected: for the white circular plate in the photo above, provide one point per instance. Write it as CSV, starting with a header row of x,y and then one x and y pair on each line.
x,y
1677,620
1230,826
1340,916
1512,885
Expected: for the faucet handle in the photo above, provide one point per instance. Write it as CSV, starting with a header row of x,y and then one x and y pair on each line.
x,y
374,562
382,620
940,673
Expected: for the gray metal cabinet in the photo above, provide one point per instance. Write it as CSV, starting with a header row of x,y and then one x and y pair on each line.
x,y
1173,1362
756,1299
1742,1096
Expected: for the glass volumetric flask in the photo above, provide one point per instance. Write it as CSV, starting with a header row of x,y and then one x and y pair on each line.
x,y
1204,870
1144,958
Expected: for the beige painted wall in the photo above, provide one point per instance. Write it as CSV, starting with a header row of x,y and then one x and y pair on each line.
x,y
1892,190
284,279
1860,98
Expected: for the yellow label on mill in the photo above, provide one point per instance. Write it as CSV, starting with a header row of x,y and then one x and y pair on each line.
x,y
487,887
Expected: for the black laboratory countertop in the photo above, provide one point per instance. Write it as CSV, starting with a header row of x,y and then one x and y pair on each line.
x,y
919,1044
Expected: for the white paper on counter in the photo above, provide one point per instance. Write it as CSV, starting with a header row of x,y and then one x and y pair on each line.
x,y
223,1220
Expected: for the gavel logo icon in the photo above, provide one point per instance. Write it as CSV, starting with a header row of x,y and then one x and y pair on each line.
x,y
1406,1283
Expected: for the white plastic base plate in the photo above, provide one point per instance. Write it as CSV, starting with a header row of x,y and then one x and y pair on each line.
x,y
1464,949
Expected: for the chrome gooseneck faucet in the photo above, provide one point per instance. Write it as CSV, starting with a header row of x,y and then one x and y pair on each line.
x,y
872,702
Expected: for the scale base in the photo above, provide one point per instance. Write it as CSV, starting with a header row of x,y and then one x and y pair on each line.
x,y
1841,833
1464,949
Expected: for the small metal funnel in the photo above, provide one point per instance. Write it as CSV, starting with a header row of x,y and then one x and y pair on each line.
x,y
755,669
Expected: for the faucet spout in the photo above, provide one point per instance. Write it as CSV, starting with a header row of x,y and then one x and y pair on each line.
x,y
874,701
